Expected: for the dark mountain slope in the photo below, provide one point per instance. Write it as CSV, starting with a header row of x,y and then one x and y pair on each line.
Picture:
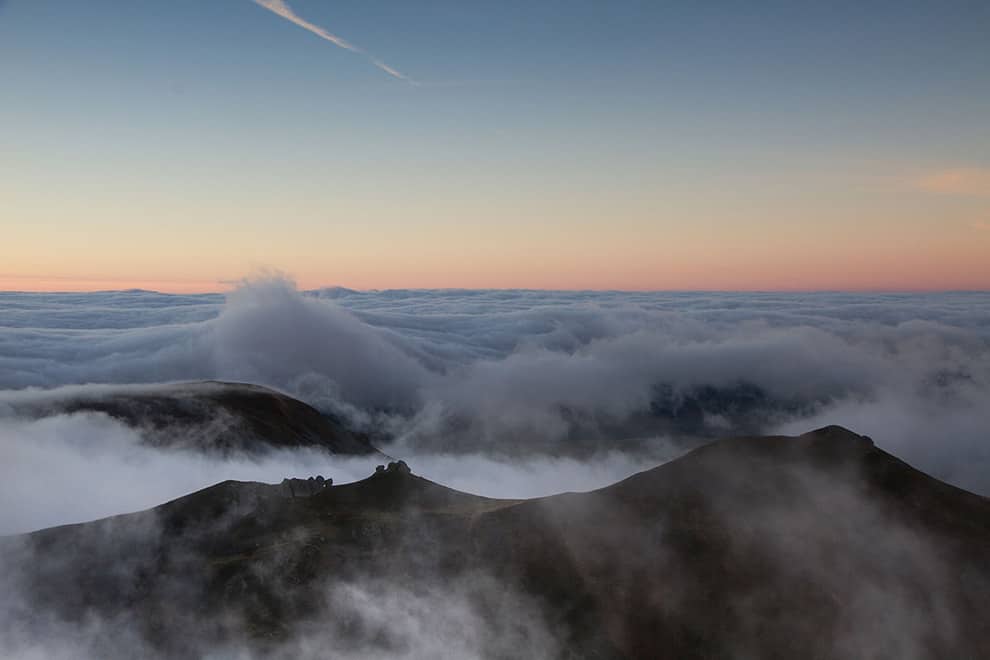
x,y
820,546
213,416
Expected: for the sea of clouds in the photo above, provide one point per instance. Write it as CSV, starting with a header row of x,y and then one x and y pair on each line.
x,y
504,393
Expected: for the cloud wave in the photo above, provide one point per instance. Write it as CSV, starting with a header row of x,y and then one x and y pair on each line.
x,y
525,375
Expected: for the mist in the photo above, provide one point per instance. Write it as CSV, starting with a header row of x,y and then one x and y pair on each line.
x,y
504,394
506,375
77,467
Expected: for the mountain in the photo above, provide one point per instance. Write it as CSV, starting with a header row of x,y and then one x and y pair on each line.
x,y
817,546
211,416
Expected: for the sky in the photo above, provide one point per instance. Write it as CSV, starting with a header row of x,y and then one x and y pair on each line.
x,y
181,145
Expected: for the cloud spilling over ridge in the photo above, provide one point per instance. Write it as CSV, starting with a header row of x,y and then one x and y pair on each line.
x,y
71,468
281,8
265,333
510,373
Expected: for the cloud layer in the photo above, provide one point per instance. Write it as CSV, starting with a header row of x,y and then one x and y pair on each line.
x,y
483,389
71,468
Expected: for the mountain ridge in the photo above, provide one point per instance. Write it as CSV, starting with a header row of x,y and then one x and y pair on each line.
x,y
751,547
210,416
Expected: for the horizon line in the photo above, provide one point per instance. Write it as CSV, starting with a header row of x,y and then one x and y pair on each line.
x,y
794,290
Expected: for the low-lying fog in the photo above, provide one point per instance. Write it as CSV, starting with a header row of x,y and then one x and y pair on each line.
x,y
502,393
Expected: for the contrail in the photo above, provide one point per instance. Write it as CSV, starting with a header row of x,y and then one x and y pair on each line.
x,y
281,7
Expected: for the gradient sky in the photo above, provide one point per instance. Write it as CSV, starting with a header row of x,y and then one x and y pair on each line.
x,y
182,144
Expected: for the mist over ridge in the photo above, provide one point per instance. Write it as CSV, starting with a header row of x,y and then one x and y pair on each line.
x,y
716,386
746,547
503,394
545,371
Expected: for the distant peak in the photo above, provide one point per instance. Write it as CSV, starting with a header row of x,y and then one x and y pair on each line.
x,y
836,432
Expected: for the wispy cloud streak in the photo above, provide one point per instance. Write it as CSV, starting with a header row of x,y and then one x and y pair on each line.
x,y
281,8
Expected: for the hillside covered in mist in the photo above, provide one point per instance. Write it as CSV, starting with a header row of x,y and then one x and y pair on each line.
x,y
595,474
819,546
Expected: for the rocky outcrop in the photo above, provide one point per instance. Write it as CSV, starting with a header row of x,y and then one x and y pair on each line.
x,y
296,487
395,467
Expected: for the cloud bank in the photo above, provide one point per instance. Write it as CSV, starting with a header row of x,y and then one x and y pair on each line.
x,y
483,389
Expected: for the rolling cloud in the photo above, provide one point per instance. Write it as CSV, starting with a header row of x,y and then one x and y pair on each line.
x,y
281,8
103,468
482,389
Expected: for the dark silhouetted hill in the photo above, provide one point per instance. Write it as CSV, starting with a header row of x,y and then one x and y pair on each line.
x,y
818,546
213,416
